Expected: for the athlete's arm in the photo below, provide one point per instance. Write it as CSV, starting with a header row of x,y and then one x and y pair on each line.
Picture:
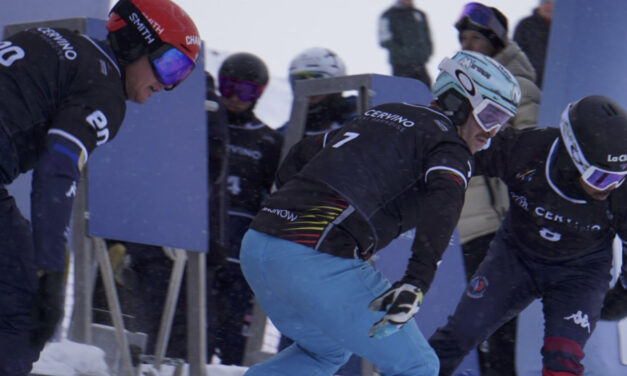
x,y
438,215
55,179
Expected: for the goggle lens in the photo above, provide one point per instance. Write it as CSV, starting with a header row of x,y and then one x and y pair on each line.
x,y
172,66
482,16
306,76
246,91
601,180
491,116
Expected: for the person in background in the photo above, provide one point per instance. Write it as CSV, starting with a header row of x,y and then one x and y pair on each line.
x,y
253,153
404,32
484,29
338,203
62,95
328,111
567,203
532,35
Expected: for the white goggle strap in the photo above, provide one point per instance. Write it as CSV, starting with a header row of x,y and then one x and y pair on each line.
x,y
455,70
572,146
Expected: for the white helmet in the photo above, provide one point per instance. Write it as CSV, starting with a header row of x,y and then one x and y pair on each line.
x,y
318,61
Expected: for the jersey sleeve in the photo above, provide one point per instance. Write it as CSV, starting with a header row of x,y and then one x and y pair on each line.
x,y
438,213
54,185
90,119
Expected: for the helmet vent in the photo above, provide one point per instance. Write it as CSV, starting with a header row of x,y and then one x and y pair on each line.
x,y
609,109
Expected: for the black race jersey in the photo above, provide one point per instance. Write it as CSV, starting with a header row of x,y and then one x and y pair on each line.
x,y
550,214
55,80
253,156
392,169
61,96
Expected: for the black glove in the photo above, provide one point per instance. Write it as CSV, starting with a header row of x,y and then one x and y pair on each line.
x,y
615,302
47,309
400,302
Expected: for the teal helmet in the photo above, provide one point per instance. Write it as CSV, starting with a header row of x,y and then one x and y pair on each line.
x,y
469,78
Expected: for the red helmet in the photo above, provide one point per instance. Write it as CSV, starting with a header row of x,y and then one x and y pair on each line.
x,y
159,28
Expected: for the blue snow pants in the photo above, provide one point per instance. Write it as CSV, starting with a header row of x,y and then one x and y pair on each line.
x,y
17,287
321,302
507,281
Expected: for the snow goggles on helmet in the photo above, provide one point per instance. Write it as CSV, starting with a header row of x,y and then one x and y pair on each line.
x,y
481,16
595,177
171,66
307,75
490,115
246,91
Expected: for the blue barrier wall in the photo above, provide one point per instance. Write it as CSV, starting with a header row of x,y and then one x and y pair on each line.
x,y
586,56
150,184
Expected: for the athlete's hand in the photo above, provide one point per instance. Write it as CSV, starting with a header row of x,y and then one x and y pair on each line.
x,y
47,307
400,302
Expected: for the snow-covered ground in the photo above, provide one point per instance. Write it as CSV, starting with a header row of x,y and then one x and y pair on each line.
x,y
68,358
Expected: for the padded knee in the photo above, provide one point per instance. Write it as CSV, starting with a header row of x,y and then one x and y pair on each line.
x,y
561,357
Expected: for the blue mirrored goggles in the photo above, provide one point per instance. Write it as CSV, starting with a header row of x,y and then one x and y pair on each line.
x,y
170,65
601,179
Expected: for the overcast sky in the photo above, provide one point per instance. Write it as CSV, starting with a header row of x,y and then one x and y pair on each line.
x,y
277,30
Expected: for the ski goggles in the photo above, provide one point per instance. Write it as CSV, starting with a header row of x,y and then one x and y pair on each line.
x,y
490,115
481,16
595,177
307,75
171,66
246,91
601,179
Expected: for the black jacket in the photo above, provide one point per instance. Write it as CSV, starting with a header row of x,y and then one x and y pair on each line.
x,y
61,96
351,192
532,35
404,32
550,214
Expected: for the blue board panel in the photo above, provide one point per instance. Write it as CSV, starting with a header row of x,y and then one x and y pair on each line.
x,y
150,184
398,89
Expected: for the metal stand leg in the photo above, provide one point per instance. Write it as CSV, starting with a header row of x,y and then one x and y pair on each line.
x,y
174,288
114,304
196,315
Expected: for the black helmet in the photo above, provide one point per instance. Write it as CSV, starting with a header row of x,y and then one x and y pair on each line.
x,y
595,128
244,66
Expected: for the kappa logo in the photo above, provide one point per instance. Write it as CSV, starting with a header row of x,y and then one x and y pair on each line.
x,y
477,287
72,191
580,319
